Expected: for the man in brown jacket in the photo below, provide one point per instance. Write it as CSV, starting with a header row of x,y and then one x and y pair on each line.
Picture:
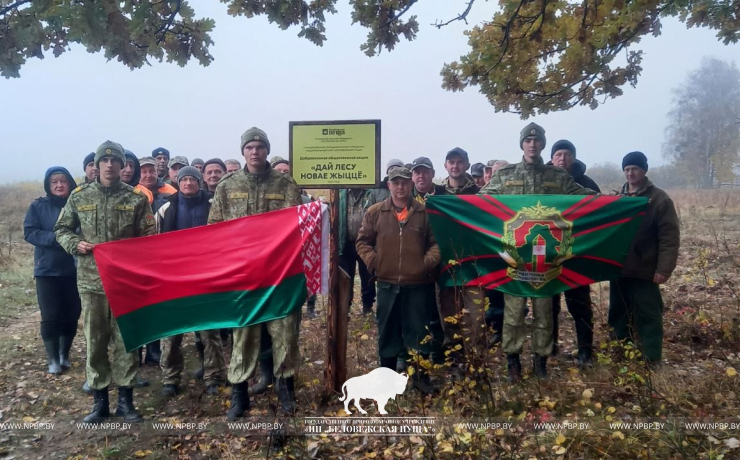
x,y
397,244
635,303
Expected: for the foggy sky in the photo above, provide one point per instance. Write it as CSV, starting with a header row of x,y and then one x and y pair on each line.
x,y
63,108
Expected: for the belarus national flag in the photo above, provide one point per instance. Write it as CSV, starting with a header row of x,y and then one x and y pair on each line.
x,y
533,245
232,274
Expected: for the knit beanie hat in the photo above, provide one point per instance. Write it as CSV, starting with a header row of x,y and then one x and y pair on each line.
x,y
90,157
196,161
110,149
635,159
215,161
563,145
255,134
189,171
278,160
532,129
161,151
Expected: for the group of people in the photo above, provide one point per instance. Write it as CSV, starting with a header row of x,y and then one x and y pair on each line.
x,y
385,235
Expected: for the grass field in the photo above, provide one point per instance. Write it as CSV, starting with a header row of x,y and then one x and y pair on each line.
x,y
698,383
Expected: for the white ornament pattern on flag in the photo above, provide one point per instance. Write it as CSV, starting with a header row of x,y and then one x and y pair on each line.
x,y
309,223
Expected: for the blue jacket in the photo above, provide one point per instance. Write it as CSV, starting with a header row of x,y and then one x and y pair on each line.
x,y
180,213
49,259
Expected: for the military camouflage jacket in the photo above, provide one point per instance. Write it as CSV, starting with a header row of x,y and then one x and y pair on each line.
x,y
102,214
447,189
242,193
533,179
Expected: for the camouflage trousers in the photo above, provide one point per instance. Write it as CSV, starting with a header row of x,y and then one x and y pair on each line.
x,y
513,334
173,363
101,330
246,349
470,302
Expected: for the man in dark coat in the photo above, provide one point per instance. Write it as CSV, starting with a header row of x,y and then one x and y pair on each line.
x,y
578,300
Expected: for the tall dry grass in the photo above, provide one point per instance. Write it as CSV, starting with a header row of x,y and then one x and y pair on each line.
x,y
715,201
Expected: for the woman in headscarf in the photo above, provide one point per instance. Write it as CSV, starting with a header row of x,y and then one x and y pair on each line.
x,y
54,270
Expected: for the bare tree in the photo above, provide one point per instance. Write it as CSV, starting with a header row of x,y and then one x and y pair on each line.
x,y
703,138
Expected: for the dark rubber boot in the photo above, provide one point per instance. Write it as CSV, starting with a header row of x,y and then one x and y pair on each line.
x,y
390,363
65,344
200,349
514,366
239,401
585,338
86,389
266,377
101,410
169,390
153,353
423,383
52,353
126,407
286,396
539,364
584,358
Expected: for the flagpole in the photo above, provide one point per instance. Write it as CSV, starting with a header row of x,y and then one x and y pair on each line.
x,y
335,365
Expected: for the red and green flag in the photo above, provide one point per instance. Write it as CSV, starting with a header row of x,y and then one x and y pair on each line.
x,y
533,245
232,274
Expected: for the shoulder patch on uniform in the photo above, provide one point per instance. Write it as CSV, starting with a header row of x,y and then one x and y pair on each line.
x,y
137,191
87,207
79,187
237,195
513,183
150,219
275,196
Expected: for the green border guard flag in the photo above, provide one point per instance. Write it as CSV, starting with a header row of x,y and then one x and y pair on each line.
x,y
533,245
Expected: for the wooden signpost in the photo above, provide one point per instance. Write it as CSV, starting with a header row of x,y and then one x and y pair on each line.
x,y
336,155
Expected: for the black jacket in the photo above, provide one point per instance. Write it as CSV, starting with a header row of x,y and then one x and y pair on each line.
x,y
167,213
578,174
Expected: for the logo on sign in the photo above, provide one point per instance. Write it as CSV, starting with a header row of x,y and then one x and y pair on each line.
x,y
332,132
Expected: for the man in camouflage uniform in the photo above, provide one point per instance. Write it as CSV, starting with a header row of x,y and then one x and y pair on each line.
x,y
99,212
254,190
531,176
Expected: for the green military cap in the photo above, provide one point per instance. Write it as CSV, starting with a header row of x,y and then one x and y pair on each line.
x,y
490,163
255,134
178,160
278,160
110,149
147,161
532,130
399,171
